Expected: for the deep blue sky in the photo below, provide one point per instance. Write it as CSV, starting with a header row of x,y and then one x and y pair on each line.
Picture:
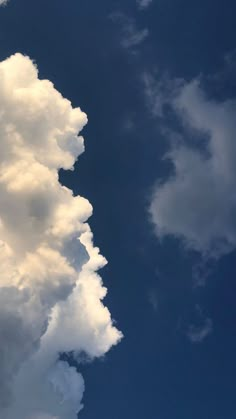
x,y
156,372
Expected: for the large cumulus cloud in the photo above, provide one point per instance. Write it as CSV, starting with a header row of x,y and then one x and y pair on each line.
x,y
50,292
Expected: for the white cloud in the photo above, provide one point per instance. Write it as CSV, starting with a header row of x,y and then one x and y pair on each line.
x,y
50,292
197,203
3,2
143,4
131,36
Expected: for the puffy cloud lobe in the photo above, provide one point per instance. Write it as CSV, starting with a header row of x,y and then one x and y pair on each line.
x,y
197,203
3,2
50,292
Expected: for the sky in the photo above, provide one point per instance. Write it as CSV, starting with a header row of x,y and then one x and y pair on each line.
x,y
151,86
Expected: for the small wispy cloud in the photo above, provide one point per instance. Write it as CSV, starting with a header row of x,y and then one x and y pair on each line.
x,y
197,334
159,91
143,4
128,123
131,35
201,328
153,299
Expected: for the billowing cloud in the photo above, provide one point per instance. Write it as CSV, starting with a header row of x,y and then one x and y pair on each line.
x,y
143,4
131,35
3,2
50,292
197,202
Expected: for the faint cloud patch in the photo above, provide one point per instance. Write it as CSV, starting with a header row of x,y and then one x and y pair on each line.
x,y
197,334
128,123
131,35
153,299
225,79
159,91
200,328
202,271
143,4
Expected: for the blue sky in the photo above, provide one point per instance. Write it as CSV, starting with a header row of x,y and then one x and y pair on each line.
x,y
173,296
